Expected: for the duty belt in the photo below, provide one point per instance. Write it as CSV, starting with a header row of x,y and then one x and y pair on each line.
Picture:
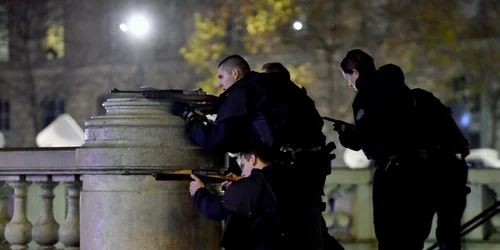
x,y
391,158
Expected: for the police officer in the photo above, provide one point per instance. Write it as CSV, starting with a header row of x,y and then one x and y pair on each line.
x,y
275,67
249,201
386,129
225,135
254,108
447,148
329,241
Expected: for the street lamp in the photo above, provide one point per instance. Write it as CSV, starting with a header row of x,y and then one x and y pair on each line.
x,y
297,25
138,26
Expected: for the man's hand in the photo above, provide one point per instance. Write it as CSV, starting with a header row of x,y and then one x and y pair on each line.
x,y
226,184
195,185
180,109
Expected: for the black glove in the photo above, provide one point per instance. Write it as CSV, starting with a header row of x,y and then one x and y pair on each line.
x,y
328,150
180,109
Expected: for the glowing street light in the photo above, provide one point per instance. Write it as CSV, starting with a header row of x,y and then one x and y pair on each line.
x,y
137,25
124,27
297,25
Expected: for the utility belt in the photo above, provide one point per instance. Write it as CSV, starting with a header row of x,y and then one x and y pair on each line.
x,y
439,152
288,155
386,159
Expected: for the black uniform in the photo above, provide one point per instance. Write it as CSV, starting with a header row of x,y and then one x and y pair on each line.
x,y
233,129
248,205
447,151
386,129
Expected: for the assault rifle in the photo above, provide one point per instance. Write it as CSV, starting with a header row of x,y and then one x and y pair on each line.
x,y
197,99
204,175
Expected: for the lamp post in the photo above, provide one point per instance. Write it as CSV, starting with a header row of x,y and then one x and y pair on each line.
x,y
138,26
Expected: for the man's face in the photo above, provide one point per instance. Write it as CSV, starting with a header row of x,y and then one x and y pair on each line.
x,y
247,165
226,79
351,78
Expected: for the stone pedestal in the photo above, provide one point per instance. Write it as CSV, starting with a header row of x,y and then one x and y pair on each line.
x,y
122,206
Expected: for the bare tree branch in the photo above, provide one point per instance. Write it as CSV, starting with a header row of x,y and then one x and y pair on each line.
x,y
12,86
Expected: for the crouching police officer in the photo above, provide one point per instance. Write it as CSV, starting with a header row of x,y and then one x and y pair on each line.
x,y
250,202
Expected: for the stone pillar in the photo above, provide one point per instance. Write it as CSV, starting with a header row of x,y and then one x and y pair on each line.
x,y
123,207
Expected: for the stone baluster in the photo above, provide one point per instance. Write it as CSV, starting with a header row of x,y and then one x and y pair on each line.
x,y
69,233
45,230
4,215
18,230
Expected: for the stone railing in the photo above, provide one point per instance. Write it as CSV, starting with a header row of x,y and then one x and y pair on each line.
x,y
34,212
349,214
28,216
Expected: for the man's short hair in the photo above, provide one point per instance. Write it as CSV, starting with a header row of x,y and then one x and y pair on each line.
x,y
276,67
358,60
260,150
234,62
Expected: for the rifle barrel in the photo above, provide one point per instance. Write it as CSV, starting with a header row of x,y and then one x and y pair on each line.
x,y
115,90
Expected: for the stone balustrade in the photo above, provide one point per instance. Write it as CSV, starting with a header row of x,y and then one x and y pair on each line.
x,y
45,169
348,193
349,214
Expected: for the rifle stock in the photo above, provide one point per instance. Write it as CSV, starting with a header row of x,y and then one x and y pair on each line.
x,y
205,175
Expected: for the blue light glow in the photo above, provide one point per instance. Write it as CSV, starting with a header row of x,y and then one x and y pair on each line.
x,y
465,119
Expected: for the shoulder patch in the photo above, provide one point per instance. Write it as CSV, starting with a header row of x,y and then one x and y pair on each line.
x,y
360,114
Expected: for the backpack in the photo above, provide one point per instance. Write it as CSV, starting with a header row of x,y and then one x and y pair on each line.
x,y
290,114
440,131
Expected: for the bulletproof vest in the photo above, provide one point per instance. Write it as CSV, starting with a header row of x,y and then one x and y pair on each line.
x,y
439,129
289,113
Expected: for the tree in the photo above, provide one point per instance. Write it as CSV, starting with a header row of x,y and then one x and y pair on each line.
x,y
211,38
264,27
34,34
460,39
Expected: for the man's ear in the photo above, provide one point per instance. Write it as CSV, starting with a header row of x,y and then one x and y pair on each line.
x,y
253,160
355,73
236,73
